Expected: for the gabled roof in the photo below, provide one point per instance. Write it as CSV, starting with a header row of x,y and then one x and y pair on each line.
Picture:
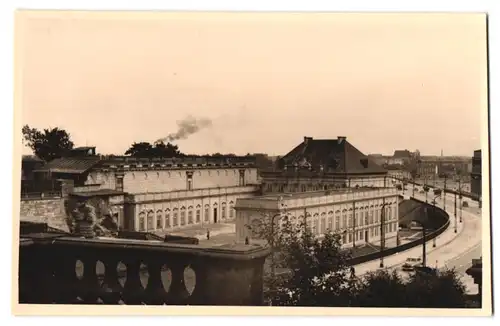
x,y
72,165
334,155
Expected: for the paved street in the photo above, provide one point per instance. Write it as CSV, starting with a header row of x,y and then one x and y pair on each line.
x,y
464,247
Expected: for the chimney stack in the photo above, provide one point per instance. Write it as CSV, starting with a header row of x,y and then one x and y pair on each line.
x,y
341,139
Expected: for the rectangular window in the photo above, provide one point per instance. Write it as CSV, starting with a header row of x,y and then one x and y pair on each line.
x,y
141,223
356,221
356,235
350,221
344,238
190,183
366,218
198,216
231,212
330,223
361,235
223,212
344,221
337,222
350,237
242,178
190,217
158,223
207,214
119,184
371,217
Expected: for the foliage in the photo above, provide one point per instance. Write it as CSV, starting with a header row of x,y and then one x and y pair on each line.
x,y
160,149
47,144
308,271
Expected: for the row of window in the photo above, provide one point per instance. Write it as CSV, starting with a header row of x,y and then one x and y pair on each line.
x,y
177,217
367,234
344,220
306,187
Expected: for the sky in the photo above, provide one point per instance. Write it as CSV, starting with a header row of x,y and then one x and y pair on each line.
x,y
385,81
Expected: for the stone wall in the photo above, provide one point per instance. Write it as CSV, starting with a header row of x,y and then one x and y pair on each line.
x,y
50,211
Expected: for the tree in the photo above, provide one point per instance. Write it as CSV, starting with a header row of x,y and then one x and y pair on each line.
x,y
160,149
438,289
313,271
49,144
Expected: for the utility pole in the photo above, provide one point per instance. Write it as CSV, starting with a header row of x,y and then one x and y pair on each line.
x,y
382,236
444,192
455,212
354,224
460,197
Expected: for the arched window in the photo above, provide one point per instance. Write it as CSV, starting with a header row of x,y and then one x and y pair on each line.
x,y
198,214
142,221
231,210
323,223
167,218
190,215
315,226
151,225
223,211
330,220
183,215
175,214
159,219
337,220
309,221
206,217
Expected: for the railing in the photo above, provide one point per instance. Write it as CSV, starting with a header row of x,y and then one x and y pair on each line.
x,y
59,269
41,195
88,187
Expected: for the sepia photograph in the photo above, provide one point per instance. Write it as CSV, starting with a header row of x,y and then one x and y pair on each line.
x,y
271,160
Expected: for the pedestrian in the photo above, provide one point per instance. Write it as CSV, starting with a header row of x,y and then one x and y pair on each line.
x,y
208,234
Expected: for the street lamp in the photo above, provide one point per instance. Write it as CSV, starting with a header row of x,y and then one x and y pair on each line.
x,y
455,212
382,234
434,205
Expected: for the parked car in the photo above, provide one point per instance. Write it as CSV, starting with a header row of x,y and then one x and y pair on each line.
x,y
465,204
411,263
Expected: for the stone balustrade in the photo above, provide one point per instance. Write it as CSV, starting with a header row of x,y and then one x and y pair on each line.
x,y
62,269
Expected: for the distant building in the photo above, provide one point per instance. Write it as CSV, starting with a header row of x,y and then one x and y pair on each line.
x,y
29,164
476,180
321,164
157,194
355,213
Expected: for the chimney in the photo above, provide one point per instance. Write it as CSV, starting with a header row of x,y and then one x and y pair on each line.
x,y
307,139
341,139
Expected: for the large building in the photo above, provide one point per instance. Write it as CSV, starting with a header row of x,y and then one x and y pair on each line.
x,y
355,213
329,184
476,182
158,194
321,164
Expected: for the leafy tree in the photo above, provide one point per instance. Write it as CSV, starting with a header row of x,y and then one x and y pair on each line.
x,y
160,149
441,289
47,144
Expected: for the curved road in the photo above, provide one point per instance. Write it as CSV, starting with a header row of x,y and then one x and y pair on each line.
x,y
458,253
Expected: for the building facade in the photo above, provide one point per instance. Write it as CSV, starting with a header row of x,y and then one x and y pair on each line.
x,y
161,195
476,182
356,214
322,164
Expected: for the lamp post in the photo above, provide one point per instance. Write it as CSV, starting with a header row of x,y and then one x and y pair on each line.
x,y
460,197
455,212
444,191
382,234
434,205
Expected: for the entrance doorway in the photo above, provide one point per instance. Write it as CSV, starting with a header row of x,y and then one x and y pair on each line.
x,y
366,236
215,215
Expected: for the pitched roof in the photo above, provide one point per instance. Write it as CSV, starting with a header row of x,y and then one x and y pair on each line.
x,y
402,153
334,155
73,165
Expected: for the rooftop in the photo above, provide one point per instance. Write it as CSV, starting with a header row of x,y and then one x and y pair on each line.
x,y
330,155
310,194
71,165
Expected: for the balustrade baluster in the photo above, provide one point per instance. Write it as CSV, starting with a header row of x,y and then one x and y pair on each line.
x,y
177,294
133,290
154,293
66,281
111,287
89,286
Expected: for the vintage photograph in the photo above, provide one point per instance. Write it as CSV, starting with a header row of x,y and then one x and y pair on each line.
x,y
335,160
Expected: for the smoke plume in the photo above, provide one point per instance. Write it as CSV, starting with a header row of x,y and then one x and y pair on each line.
x,y
187,127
